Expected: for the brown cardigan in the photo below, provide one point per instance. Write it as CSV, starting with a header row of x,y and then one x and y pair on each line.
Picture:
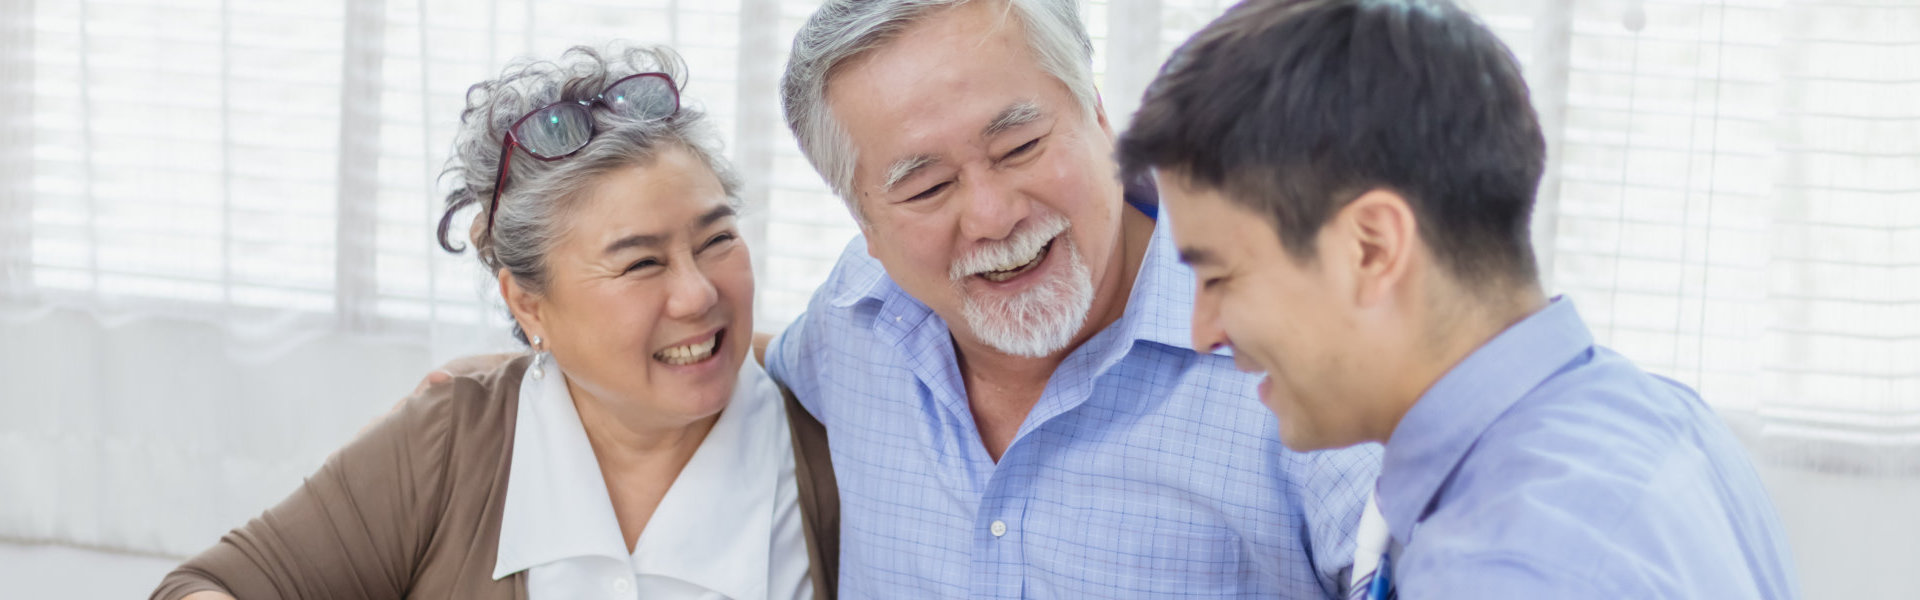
x,y
411,508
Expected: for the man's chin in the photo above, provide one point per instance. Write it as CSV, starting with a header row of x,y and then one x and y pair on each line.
x,y
1013,338
1037,319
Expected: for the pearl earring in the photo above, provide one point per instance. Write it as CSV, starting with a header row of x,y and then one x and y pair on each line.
x,y
539,360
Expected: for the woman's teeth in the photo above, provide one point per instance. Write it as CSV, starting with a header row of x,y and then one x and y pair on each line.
x,y
1010,271
688,354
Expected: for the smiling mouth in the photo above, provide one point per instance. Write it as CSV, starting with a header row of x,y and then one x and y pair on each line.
x,y
1011,271
691,353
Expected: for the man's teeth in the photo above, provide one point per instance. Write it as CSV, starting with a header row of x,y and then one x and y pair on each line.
x,y
1006,272
688,354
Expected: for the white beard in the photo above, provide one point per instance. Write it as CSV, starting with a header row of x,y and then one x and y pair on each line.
x,y
1041,320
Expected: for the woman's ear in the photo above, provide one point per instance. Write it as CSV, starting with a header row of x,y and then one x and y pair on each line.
x,y
524,305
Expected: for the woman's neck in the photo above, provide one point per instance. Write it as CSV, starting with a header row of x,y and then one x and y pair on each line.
x,y
629,434
639,455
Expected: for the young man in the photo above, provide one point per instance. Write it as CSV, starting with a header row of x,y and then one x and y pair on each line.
x,y
1000,361
1351,181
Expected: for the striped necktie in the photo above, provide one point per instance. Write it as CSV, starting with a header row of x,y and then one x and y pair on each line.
x,y
1372,565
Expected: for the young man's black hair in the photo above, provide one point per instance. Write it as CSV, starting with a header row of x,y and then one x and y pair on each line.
x,y
1294,107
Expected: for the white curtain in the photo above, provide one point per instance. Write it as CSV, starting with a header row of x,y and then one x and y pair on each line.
x,y
216,259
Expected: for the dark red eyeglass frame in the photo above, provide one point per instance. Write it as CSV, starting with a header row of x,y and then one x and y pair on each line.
x,y
511,140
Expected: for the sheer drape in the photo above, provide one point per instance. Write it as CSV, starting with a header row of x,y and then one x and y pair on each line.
x,y
1735,208
215,218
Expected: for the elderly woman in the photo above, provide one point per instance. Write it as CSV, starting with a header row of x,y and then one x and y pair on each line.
x,y
634,453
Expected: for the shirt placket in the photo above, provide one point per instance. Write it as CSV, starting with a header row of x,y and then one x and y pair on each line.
x,y
999,532
995,567
997,564
999,529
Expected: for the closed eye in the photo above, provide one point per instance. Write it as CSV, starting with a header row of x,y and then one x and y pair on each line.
x,y
1212,282
643,263
718,240
930,192
1022,149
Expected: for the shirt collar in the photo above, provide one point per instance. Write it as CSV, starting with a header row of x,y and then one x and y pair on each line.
x,y
1159,311
1450,417
1159,307
557,506
713,528
863,279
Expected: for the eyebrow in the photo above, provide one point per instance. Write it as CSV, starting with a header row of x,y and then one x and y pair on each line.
x,y
1015,115
1197,256
907,167
655,240
1019,113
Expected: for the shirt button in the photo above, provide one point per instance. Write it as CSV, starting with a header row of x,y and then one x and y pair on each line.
x,y
622,585
999,528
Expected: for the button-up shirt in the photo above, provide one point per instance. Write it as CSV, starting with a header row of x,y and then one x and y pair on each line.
x,y
1145,469
1544,466
728,529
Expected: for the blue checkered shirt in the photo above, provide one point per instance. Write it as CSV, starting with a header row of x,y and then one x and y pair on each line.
x,y
1145,470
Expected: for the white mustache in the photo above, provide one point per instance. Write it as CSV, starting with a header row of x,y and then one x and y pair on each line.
x,y
1016,249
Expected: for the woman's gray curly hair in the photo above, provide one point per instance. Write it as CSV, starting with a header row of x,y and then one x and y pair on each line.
x,y
540,194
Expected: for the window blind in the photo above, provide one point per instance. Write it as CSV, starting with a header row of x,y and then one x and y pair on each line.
x,y
1730,198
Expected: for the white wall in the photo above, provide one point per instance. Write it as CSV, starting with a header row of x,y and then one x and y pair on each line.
x,y
32,571
124,435
1854,536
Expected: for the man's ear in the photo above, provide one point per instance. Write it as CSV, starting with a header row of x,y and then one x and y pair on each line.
x,y
1383,234
1100,116
524,305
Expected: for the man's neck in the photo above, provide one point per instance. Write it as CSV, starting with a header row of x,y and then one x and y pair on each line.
x,y
1457,330
1002,389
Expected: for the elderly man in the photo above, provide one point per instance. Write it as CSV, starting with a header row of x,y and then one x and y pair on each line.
x,y
1351,181
1000,360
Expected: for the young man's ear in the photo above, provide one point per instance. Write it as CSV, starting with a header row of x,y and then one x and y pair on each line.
x,y
1383,234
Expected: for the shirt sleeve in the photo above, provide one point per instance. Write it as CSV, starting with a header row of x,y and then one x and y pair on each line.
x,y
1529,543
352,530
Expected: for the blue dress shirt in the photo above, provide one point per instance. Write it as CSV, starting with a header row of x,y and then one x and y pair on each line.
x,y
1145,470
1544,466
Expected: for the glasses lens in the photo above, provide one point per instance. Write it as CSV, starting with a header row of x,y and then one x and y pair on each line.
x,y
556,130
645,97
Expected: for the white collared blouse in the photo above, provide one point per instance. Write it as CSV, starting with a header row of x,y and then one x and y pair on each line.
x,y
728,528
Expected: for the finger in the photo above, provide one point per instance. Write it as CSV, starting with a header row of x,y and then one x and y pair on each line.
x,y
433,379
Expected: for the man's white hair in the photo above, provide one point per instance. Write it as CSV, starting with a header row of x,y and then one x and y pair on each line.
x,y
843,29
